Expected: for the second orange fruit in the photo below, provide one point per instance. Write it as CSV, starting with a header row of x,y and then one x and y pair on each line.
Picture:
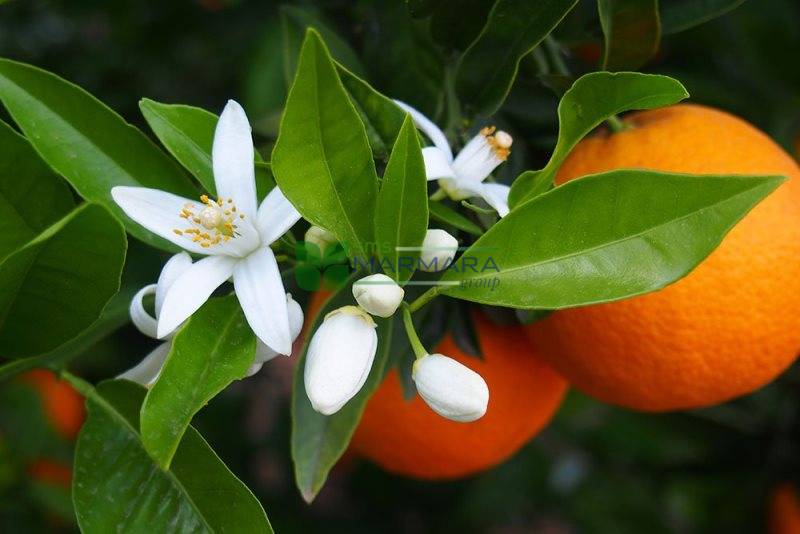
x,y
408,438
731,325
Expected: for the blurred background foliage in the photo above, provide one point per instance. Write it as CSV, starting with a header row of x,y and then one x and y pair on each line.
x,y
596,468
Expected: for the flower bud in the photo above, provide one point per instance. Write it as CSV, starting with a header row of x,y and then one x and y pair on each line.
x,y
378,294
265,353
339,358
451,389
438,250
320,237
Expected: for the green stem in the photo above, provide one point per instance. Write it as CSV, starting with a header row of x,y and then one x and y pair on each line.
x,y
554,54
616,124
423,299
413,338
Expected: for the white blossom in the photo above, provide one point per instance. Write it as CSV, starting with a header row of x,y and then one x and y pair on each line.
x,y
463,176
378,294
451,389
437,251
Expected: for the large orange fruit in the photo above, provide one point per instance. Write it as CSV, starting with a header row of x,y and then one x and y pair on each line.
x,y
731,325
408,438
62,405
784,510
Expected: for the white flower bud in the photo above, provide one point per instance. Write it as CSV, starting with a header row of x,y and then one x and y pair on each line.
x,y
265,353
320,237
339,358
438,250
451,389
378,294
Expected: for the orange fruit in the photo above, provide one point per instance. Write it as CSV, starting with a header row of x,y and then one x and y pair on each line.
x,y
731,325
784,510
62,405
408,438
50,472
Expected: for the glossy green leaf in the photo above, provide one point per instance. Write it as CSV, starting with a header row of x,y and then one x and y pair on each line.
x,y
680,15
489,66
632,32
86,142
381,117
32,196
445,214
187,133
592,99
401,213
214,348
117,487
318,441
604,237
57,284
322,160
114,315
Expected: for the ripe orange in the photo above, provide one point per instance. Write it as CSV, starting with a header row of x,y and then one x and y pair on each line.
x,y
50,472
408,438
62,405
731,325
784,510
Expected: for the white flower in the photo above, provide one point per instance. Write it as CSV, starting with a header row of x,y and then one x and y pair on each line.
x,y
378,294
339,358
463,176
451,389
320,237
233,234
146,372
438,250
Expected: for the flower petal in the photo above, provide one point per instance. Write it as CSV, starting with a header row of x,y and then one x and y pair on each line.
x,y
436,164
496,195
191,289
146,372
265,353
232,159
159,212
142,320
259,288
174,267
275,216
434,133
450,388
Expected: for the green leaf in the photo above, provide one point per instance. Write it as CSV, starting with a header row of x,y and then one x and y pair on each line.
x,y
86,142
264,87
187,133
445,214
401,214
604,237
455,24
57,284
114,315
381,117
318,441
118,488
322,160
680,15
214,348
489,66
632,32
592,99
32,196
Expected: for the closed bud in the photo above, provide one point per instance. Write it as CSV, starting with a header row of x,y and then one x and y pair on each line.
x,y
339,358
320,237
438,250
378,294
451,389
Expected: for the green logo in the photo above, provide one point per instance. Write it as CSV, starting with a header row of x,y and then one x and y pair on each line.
x,y
316,270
